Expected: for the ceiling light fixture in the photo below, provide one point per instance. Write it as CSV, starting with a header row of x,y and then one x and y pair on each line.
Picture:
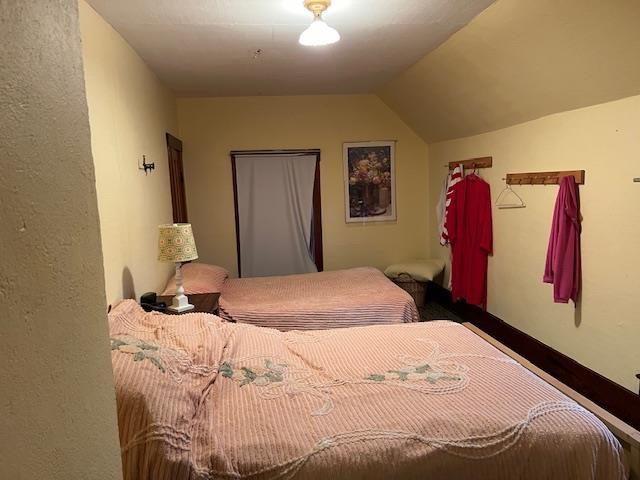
x,y
318,33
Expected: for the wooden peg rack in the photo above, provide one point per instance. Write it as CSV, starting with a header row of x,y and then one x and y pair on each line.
x,y
544,178
482,162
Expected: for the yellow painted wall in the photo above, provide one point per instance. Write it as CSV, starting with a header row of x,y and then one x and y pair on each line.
x,y
130,111
57,403
211,127
520,60
604,332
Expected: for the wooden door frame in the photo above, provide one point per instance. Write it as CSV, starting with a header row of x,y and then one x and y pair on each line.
x,y
176,144
317,199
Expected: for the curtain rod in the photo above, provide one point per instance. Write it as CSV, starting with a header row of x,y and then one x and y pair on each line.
x,y
299,151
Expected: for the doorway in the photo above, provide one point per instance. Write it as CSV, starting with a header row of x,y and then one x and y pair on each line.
x,y
278,211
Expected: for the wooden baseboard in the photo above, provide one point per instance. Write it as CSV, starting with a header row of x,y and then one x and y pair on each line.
x,y
617,400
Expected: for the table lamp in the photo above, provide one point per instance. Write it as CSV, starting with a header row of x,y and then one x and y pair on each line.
x,y
176,244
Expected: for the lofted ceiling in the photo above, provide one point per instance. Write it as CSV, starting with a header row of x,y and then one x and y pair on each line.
x,y
520,60
210,47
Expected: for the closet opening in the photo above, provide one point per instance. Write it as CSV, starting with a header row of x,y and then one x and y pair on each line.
x,y
278,212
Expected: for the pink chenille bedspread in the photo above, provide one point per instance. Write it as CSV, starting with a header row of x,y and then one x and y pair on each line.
x,y
343,298
199,398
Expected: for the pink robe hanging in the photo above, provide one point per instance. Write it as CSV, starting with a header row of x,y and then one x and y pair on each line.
x,y
563,267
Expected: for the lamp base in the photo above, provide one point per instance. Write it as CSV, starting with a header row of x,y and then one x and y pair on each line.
x,y
180,304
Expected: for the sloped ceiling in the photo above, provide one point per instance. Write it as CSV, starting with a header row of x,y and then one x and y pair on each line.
x,y
520,60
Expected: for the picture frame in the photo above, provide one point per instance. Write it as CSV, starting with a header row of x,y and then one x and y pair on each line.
x,y
369,181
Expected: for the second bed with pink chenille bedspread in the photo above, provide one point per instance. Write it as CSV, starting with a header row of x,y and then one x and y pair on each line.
x,y
343,298
310,301
199,398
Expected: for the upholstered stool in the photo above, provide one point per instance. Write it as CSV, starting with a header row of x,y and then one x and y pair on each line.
x,y
413,276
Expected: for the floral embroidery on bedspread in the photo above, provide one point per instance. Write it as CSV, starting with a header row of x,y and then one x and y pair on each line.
x,y
271,373
431,373
168,360
139,349
275,378
429,376
418,373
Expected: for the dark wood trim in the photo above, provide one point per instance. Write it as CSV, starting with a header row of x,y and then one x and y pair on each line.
x,y
176,179
317,200
614,398
317,219
235,211
174,142
298,151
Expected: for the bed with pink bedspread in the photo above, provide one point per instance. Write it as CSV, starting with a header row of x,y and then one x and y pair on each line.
x,y
200,398
342,298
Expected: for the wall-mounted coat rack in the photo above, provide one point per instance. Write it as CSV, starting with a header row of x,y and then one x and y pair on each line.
x,y
481,162
544,178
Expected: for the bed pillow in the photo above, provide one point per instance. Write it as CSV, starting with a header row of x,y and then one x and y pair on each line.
x,y
199,278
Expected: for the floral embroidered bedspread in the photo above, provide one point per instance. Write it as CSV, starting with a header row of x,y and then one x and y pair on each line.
x,y
200,398
314,301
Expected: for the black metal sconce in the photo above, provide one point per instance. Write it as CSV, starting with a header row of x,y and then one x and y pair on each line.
x,y
147,167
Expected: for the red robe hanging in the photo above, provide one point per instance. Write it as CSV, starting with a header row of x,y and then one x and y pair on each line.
x,y
471,237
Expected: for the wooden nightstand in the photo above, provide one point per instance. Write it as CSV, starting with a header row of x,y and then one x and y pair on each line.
x,y
203,303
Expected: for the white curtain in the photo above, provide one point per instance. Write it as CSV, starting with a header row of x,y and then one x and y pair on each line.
x,y
275,209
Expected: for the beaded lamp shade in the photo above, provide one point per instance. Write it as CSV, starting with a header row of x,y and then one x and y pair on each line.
x,y
176,243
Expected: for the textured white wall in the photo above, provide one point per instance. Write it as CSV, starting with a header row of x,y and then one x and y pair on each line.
x,y
57,403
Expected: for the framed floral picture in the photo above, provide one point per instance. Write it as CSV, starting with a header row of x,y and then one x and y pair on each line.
x,y
369,172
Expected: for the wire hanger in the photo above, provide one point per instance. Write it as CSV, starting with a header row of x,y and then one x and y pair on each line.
x,y
504,193
471,169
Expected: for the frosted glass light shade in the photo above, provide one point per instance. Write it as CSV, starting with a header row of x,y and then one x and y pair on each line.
x,y
318,33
